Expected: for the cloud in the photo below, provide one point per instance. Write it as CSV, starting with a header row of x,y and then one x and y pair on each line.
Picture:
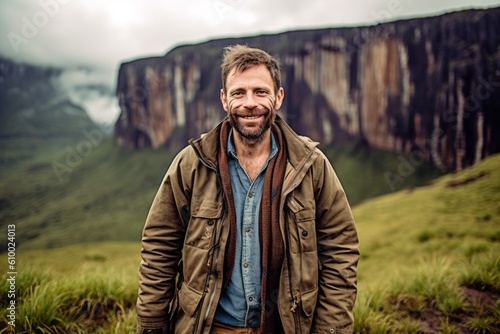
x,y
99,35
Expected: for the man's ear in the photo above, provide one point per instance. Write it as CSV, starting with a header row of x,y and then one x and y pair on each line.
x,y
279,98
223,99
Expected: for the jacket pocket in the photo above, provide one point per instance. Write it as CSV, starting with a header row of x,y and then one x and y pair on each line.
x,y
205,212
309,299
189,299
302,227
308,305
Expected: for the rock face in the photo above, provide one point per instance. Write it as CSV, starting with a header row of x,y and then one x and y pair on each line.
x,y
427,87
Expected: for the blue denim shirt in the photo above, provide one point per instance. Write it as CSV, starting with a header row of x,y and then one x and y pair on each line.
x,y
239,304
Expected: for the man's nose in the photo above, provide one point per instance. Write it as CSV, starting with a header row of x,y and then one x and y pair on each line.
x,y
250,101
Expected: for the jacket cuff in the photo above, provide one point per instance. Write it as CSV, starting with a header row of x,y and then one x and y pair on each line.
x,y
151,323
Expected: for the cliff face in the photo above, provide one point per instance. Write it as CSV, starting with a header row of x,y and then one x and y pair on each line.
x,y
426,87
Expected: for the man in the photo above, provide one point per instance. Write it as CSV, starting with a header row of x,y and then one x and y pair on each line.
x,y
250,231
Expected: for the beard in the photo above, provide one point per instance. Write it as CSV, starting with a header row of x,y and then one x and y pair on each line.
x,y
252,133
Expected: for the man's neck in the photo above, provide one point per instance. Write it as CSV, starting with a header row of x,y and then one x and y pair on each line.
x,y
252,155
250,149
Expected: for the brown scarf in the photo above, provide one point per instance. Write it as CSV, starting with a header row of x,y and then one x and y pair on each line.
x,y
271,243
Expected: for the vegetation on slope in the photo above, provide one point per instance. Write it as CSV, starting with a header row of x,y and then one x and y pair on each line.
x,y
104,197
430,256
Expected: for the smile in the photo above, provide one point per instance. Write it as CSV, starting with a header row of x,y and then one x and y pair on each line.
x,y
251,117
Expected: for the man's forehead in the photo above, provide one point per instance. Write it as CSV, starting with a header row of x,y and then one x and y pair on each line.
x,y
234,71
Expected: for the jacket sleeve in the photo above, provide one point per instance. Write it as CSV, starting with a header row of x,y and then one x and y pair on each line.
x,y
338,253
162,241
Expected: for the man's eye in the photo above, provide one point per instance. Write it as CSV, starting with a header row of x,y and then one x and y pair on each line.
x,y
237,94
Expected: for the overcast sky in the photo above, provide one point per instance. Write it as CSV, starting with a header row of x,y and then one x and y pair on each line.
x,y
99,34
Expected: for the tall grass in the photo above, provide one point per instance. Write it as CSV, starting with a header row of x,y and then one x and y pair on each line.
x,y
433,287
368,312
99,297
79,303
85,301
482,271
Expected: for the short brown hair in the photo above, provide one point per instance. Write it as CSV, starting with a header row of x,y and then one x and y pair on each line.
x,y
242,57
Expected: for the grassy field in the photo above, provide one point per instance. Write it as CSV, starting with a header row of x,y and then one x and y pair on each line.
x,y
429,264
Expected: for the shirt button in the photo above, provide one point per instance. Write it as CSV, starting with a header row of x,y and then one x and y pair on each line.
x,y
245,265
250,298
332,330
247,229
210,222
304,233
250,195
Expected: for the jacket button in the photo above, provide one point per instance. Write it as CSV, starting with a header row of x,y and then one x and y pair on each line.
x,y
210,222
304,233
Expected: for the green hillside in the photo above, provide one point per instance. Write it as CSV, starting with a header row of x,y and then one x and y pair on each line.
x,y
459,214
429,265
366,172
104,197
430,259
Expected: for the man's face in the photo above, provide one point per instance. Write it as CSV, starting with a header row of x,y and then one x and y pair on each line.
x,y
251,102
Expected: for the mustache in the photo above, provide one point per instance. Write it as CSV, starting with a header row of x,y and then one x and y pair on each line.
x,y
244,112
250,114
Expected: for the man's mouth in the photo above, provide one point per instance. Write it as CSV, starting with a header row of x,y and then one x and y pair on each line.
x,y
251,117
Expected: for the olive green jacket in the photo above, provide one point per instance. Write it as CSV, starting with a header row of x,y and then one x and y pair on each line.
x,y
187,229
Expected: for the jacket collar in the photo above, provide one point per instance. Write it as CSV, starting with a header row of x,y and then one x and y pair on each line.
x,y
299,147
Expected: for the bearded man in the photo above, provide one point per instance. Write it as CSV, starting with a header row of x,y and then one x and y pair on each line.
x,y
251,230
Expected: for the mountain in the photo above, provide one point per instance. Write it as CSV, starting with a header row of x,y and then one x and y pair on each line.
x,y
38,118
426,87
44,137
